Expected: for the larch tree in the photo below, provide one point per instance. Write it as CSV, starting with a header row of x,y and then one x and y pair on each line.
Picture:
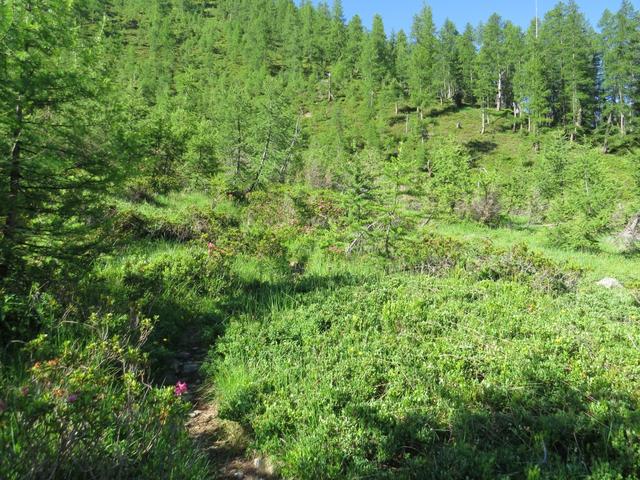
x,y
375,59
57,136
490,67
531,87
402,63
568,43
621,63
514,55
423,56
467,53
448,72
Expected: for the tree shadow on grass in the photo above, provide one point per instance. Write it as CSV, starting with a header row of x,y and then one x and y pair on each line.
x,y
481,147
259,297
509,433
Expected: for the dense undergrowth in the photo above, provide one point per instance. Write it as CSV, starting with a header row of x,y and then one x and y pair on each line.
x,y
456,357
394,277
416,376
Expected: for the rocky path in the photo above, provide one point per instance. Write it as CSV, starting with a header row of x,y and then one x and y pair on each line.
x,y
224,441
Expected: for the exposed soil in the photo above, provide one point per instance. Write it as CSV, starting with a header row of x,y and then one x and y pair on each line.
x,y
225,442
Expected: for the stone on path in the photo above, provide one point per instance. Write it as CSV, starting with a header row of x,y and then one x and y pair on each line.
x,y
610,283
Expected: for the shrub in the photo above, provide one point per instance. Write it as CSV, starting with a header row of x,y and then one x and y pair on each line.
x,y
84,409
413,376
486,208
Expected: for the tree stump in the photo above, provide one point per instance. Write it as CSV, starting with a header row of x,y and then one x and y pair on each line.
x,y
630,236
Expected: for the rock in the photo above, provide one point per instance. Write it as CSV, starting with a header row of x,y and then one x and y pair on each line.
x,y
195,413
238,475
191,367
175,365
610,283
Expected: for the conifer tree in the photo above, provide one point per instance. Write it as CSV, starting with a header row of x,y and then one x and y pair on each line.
x,y
402,62
567,42
467,55
448,72
490,67
56,133
621,62
375,57
354,44
531,88
423,55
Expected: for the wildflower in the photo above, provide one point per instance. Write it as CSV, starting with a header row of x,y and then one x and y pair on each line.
x,y
211,247
180,389
24,391
72,398
53,363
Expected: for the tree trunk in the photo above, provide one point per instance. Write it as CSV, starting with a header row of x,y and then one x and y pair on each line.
x,y
605,146
285,164
15,175
623,127
238,149
500,93
483,123
265,155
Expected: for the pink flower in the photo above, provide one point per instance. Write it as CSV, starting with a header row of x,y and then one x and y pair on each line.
x,y
72,398
180,389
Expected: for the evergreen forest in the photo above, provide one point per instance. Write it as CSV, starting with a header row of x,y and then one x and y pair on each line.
x,y
257,239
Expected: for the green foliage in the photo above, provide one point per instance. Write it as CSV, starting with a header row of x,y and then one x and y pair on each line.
x,y
59,133
449,165
584,207
83,407
436,377
259,176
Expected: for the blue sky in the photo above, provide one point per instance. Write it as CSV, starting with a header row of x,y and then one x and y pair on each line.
x,y
399,14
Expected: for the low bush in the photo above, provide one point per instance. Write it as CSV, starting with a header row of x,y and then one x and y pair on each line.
x,y
435,254
84,409
416,376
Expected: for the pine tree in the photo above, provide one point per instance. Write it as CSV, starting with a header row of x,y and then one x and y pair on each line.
x,y
56,143
448,72
467,54
621,63
423,55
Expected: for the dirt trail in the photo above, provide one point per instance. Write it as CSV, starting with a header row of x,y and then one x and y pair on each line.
x,y
225,442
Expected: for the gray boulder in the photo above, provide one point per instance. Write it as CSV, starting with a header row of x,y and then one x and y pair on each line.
x,y
610,283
